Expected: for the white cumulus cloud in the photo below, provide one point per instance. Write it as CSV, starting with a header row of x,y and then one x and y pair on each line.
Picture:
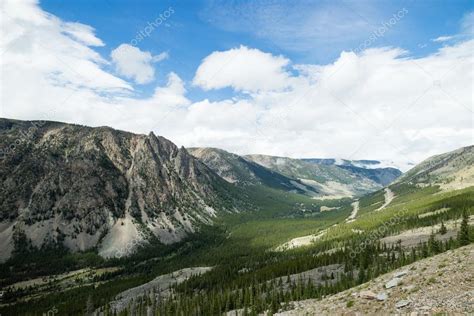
x,y
83,33
243,69
132,63
380,104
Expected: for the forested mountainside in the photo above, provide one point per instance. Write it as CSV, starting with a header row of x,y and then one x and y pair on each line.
x,y
403,165
382,173
327,180
87,188
437,285
297,175
244,172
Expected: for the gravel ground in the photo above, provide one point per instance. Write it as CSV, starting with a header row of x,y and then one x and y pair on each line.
x,y
440,284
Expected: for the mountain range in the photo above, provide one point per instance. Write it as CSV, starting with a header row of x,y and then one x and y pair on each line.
x,y
109,209
88,187
100,188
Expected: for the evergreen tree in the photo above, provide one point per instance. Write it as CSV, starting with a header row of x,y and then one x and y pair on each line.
x,y
89,306
443,229
433,244
463,235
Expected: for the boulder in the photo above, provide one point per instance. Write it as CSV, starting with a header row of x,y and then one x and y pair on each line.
x,y
399,274
382,296
402,303
369,295
392,283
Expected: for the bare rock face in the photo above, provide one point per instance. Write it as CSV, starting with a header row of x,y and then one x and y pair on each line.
x,y
98,187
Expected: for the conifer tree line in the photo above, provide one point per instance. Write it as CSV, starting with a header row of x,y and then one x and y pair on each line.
x,y
250,279
270,290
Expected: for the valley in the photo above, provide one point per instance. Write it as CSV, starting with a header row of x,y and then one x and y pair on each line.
x,y
236,158
168,230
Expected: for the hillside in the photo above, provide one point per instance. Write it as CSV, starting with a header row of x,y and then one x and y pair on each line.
x,y
335,245
451,171
436,285
377,171
364,164
438,189
317,179
328,180
243,172
382,176
85,188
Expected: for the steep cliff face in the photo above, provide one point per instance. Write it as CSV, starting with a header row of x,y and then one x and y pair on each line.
x,y
97,187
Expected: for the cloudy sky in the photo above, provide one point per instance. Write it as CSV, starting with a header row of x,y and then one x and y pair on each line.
x,y
388,80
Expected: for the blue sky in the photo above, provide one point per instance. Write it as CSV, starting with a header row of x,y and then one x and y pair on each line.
x,y
197,28
387,80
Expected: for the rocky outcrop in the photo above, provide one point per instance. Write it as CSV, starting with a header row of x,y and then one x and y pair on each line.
x,y
98,187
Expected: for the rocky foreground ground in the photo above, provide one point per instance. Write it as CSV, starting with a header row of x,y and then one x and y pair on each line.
x,y
440,284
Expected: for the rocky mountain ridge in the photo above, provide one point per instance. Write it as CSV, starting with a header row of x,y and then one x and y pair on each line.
x,y
327,180
88,187
244,172
364,163
317,179
380,172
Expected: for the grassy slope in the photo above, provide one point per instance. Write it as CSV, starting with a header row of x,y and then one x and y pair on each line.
x,y
371,202
408,203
